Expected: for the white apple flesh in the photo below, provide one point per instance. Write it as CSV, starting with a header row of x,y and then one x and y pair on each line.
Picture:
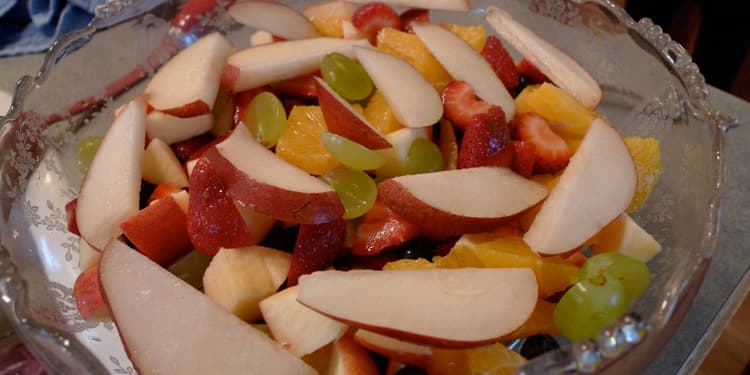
x,y
466,64
276,18
564,72
413,100
624,235
395,349
453,5
173,129
150,305
110,190
594,189
160,165
460,307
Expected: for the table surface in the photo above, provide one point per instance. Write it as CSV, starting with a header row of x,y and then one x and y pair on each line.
x,y
728,279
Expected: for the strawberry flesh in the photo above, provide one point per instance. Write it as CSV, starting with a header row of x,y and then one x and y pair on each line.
x,y
552,153
414,15
382,229
531,72
370,18
460,104
524,156
213,220
70,210
501,62
486,141
162,190
317,247
186,149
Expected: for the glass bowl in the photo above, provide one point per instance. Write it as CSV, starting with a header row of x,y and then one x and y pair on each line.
x,y
650,88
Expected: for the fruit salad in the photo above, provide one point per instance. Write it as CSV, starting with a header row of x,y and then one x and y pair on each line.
x,y
359,190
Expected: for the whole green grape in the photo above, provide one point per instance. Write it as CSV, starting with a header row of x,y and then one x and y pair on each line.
x,y
632,273
356,189
350,153
423,157
589,305
265,117
346,76
86,150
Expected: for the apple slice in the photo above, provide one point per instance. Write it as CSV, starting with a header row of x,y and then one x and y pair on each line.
x,y
159,231
454,5
460,307
269,185
464,63
110,190
186,86
150,304
413,100
348,358
173,129
625,236
258,225
342,119
276,18
467,200
260,38
87,294
88,255
564,72
258,66
401,351
594,189
296,327
161,165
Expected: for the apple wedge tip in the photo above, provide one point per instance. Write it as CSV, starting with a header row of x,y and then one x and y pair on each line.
x,y
451,5
276,18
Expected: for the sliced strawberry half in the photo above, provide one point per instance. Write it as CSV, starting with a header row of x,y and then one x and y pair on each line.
x,y
317,247
552,153
531,72
524,156
70,210
382,229
501,62
414,15
213,220
460,104
486,141
373,17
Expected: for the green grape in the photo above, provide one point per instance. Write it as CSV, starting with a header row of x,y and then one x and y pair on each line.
x,y
346,76
86,150
423,157
632,273
356,190
265,117
350,153
590,305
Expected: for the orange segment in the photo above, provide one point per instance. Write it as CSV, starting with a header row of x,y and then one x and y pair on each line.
x,y
646,154
448,145
541,321
494,359
379,114
300,142
329,26
408,47
409,264
475,35
568,118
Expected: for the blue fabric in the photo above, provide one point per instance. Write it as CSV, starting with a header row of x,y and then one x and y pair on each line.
x,y
28,26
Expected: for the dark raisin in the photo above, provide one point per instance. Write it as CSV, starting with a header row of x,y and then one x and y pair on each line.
x,y
537,345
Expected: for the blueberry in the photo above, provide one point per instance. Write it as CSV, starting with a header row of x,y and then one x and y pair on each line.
x,y
537,345
410,370
417,248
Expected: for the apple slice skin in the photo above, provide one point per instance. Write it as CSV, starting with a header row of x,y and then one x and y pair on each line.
x,y
401,351
368,295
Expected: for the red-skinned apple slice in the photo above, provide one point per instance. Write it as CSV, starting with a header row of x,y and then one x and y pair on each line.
x,y
395,349
159,231
552,62
467,200
453,5
413,100
464,63
276,18
110,191
150,304
170,91
349,358
594,189
173,129
460,307
258,66
342,119
269,185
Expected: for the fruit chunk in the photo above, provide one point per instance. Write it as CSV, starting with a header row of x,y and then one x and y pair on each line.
x,y
148,304
463,203
395,158
647,158
555,64
351,359
328,17
238,279
265,118
408,47
461,104
380,115
161,165
296,327
356,189
161,191
493,359
448,145
258,225
191,267
88,295
499,58
109,192
625,236
423,157
300,143
88,255
595,188
524,157
372,17
541,321
472,302
486,141
171,93
258,66
413,15
173,129
589,305
213,220
346,76
475,35
402,351
260,180
567,116
630,272
159,231
351,154
317,247
86,150
382,229
276,18
455,5
551,151
465,64
411,98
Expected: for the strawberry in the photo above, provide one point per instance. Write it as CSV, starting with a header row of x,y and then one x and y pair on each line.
x,y
213,220
162,190
460,104
298,87
501,62
159,231
486,141
531,72
524,156
87,292
317,247
185,149
413,15
70,210
552,153
372,17
382,229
